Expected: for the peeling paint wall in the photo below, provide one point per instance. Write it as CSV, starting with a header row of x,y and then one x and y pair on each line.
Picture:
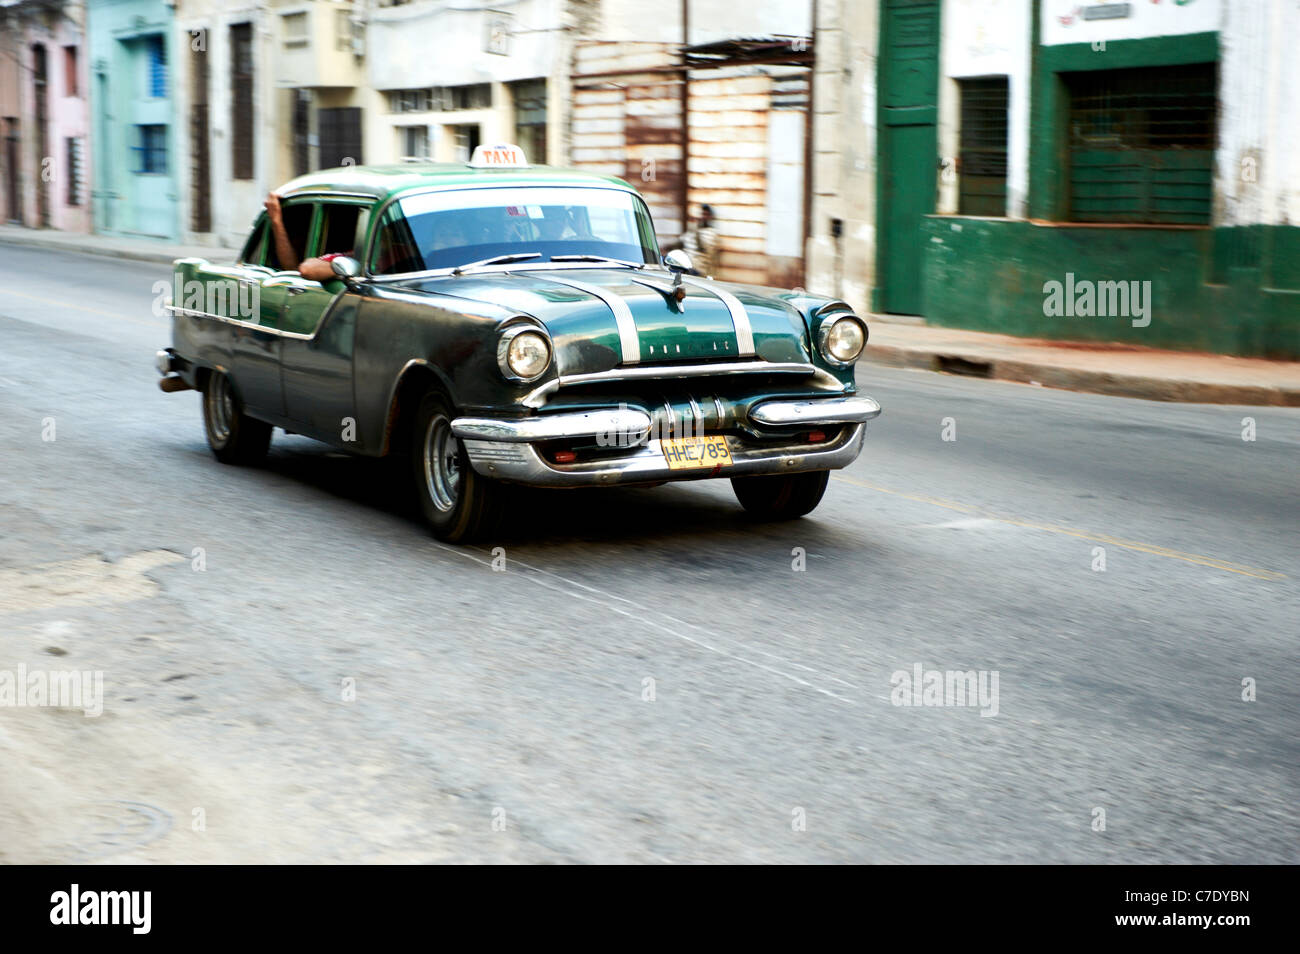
x,y
1257,179
628,124
627,121
844,152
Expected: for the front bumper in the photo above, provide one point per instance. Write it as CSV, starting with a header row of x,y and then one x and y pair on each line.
x,y
507,449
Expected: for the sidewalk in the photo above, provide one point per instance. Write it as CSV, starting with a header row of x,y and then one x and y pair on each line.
x,y
1086,366
137,249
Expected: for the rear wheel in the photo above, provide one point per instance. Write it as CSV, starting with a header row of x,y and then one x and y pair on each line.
x,y
235,438
459,504
781,496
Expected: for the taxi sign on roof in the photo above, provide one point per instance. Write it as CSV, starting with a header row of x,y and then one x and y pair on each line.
x,y
499,156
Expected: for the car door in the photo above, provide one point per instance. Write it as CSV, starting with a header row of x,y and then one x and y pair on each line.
x,y
319,323
209,297
257,348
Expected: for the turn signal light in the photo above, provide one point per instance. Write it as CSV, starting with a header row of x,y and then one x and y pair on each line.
x,y
816,437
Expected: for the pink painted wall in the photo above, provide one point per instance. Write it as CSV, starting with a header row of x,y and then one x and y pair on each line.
x,y
67,116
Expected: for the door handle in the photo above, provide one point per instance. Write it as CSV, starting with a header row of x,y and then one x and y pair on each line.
x,y
295,289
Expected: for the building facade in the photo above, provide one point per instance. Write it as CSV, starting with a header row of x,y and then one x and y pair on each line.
x,y
132,131
228,117
1104,171
1096,170
499,75
44,167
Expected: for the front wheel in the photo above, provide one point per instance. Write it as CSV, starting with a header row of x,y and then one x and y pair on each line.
x,y
459,504
235,438
781,496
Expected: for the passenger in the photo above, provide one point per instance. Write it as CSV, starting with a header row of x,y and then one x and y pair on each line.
x,y
317,269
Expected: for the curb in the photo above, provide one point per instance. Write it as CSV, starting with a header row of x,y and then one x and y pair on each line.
x,y
161,256
978,364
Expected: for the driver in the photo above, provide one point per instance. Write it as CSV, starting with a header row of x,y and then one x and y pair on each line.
x,y
556,225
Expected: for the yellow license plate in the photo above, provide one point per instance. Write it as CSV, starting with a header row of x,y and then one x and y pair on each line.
x,y
690,453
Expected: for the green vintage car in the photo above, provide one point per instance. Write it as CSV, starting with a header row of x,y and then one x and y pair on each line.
x,y
504,323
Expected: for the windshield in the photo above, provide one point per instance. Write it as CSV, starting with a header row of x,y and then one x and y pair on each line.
x,y
446,229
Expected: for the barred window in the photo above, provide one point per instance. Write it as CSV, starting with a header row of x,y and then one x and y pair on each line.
x,y
156,66
410,100
150,149
1141,144
440,98
414,141
983,157
295,28
72,151
241,100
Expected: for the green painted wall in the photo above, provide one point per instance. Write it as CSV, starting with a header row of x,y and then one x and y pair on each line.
x,y
1049,107
1226,290
988,275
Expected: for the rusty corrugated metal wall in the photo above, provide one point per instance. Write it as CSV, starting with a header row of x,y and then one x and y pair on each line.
x,y
628,123
745,156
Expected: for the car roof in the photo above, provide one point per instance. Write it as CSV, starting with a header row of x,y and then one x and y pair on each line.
x,y
385,181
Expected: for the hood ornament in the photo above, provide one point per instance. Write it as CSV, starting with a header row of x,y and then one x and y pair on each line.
x,y
678,262
679,290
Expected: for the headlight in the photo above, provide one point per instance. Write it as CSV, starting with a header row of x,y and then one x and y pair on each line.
x,y
842,339
524,353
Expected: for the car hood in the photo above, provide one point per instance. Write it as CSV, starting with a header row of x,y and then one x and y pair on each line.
x,y
600,318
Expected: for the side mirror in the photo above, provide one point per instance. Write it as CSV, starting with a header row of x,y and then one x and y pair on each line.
x,y
679,261
348,269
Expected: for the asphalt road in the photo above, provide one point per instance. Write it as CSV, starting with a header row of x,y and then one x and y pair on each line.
x,y
295,671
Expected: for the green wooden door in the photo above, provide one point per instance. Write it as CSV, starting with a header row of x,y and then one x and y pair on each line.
x,y
908,148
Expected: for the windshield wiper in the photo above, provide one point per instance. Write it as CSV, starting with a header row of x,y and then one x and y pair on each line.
x,y
596,258
496,260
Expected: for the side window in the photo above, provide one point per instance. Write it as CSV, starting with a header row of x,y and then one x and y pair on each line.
x,y
338,230
395,248
256,244
297,225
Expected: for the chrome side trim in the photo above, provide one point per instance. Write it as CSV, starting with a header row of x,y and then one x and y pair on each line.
x,y
252,325
623,425
317,193
628,338
739,317
843,410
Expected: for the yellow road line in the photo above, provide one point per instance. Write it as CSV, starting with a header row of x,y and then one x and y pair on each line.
x,y
1151,548
69,304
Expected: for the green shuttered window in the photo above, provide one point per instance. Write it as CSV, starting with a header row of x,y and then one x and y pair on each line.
x,y
983,163
1141,144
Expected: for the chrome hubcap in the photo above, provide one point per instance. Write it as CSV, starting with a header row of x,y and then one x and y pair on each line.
x,y
441,463
221,407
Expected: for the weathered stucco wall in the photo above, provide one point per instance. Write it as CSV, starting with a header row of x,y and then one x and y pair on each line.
x,y
844,153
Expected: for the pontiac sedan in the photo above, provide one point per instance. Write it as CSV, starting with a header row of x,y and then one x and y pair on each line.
x,y
505,323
